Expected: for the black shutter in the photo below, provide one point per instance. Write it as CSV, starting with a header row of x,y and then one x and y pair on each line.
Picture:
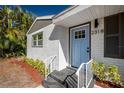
x,y
121,46
111,36
114,36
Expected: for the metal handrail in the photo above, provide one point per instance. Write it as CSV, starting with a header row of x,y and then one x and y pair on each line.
x,y
52,60
49,64
83,64
77,73
87,85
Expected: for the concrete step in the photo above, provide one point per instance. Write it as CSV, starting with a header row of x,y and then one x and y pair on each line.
x,y
71,68
52,83
60,76
61,79
75,77
71,82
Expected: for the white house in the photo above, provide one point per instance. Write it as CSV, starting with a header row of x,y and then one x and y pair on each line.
x,y
78,34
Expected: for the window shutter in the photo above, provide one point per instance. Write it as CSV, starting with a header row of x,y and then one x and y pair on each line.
x,y
114,36
121,46
111,36
111,23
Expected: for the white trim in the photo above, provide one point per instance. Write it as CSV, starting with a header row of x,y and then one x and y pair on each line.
x,y
31,26
46,17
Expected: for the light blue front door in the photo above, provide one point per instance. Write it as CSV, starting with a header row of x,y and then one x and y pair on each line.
x,y
80,47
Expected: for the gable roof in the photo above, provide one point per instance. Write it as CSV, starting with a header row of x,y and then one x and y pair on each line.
x,y
40,22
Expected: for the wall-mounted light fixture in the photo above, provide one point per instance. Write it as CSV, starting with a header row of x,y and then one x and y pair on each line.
x,y
96,23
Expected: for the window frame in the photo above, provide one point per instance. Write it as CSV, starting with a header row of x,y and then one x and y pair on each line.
x,y
80,34
37,40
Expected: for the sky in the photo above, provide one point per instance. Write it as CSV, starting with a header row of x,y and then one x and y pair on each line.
x,y
42,10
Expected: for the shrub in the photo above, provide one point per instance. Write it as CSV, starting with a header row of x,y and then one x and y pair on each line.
x,y
113,74
37,64
106,73
99,70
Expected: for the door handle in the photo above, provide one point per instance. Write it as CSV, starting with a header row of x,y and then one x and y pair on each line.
x,y
88,49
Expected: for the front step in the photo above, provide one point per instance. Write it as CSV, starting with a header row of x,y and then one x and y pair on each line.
x,y
72,81
60,76
57,79
52,83
75,69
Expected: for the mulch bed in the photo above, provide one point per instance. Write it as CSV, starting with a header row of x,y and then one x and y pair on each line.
x,y
106,84
29,70
103,84
15,73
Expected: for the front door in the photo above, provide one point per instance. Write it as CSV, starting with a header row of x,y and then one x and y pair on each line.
x,y
80,46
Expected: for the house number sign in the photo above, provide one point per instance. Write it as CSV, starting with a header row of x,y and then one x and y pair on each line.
x,y
93,32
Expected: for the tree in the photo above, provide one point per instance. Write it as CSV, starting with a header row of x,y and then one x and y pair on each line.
x,y
14,24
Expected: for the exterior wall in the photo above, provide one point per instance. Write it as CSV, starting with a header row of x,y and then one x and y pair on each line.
x,y
97,47
50,45
63,48
55,42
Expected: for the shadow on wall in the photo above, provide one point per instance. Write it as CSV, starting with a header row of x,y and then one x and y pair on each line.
x,y
61,33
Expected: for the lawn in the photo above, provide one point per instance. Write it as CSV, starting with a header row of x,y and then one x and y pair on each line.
x,y
14,73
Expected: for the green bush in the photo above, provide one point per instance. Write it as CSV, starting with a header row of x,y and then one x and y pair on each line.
x,y
106,73
99,70
37,64
113,73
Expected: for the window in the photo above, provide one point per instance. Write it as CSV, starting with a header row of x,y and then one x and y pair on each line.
x,y
40,39
34,40
113,37
80,34
37,39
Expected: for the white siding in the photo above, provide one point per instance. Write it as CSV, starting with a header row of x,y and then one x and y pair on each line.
x,y
97,48
63,48
55,42
50,45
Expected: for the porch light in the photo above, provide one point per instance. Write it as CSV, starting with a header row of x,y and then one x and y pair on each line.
x,y
96,23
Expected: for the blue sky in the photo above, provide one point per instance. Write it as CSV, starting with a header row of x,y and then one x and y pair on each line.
x,y
41,10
